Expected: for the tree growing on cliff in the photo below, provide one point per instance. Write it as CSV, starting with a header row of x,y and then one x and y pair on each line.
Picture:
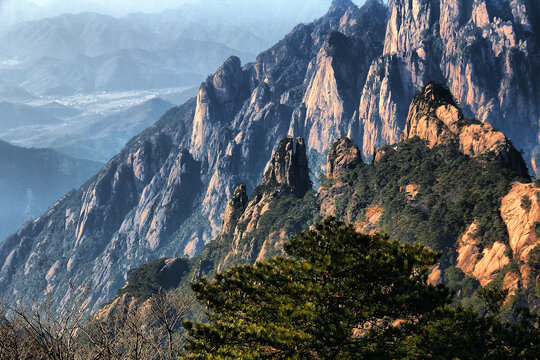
x,y
346,295
336,297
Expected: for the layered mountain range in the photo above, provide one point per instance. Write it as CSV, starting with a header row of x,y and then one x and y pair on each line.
x,y
478,209
90,52
87,136
351,73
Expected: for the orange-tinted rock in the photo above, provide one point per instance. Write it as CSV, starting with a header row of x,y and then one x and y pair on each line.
x,y
521,223
435,117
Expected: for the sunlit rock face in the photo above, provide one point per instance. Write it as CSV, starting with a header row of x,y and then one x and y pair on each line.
x,y
289,166
287,174
435,117
343,155
522,222
484,265
484,51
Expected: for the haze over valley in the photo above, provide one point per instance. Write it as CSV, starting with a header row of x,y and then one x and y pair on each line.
x,y
82,78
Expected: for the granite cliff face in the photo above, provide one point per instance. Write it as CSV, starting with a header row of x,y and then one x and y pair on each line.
x,y
485,51
351,73
437,121
93,235
523,224
287,175
342,156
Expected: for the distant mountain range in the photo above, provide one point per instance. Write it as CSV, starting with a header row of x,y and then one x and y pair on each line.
x,y
16,115
88,52
31,180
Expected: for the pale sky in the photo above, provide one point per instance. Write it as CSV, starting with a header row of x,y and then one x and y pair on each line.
x,y
13,11
113,7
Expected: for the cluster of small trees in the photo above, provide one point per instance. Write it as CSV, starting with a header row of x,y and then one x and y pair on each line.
x,y
136,331
339,295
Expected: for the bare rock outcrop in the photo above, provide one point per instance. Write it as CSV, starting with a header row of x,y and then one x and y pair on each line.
x,y
468,250
493,260
520,210
435,117
343,155
235,208
220,97
482,265
287,174
289,166
331,92
118,309
485,51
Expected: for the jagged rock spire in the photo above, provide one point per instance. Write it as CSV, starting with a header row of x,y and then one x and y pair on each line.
x,y
235,208
341,4
218,100
343,155
289,166
432,112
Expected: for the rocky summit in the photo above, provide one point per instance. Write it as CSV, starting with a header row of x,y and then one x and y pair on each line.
x,y
435,117
350,73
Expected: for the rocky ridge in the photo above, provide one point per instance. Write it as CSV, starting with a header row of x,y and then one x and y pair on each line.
x,y
287,175
485,51
256,227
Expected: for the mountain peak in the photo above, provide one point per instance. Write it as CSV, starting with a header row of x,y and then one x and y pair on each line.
x,y
343,155
289,166
341,5
435,94
435,117
433,114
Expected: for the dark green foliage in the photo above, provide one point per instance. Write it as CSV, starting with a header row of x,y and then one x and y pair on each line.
x,y
532,295
345,295
461,333
149,279
337,283
454,191
324,181
289,214
493,299
526,202
456,280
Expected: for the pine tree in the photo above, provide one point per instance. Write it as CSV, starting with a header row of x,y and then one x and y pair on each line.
x,y
338,296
